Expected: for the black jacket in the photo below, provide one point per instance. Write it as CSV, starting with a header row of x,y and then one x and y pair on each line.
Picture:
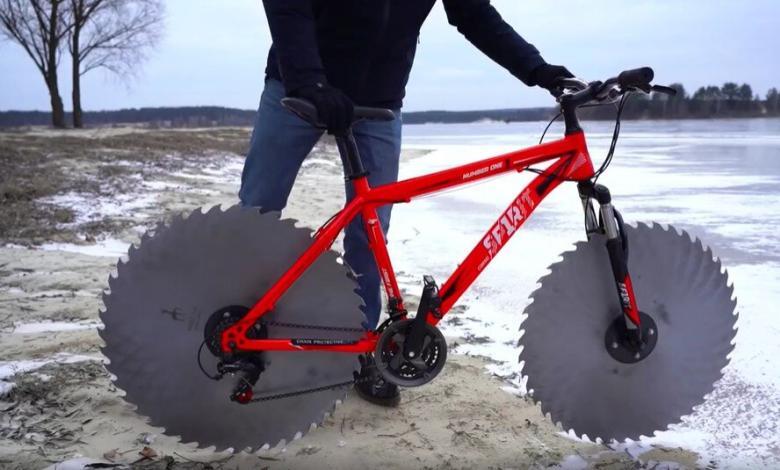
x,y
366,47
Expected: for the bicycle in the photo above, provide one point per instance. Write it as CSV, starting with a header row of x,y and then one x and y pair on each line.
x,y
216,349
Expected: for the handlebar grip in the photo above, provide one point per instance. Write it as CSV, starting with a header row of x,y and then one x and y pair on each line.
x,y
636,78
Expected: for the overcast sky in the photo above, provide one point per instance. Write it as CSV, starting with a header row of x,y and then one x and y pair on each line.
x,y
214,53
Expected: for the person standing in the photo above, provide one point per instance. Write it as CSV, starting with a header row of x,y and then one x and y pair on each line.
x,y
339,54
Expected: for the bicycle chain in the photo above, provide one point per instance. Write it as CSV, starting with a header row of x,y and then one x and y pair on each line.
x,y
315,327
307,391
279,396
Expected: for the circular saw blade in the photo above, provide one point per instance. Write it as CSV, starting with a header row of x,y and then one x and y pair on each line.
x,y
163,295
566,363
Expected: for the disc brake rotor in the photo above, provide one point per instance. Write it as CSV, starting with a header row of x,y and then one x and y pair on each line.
x,y
162,297
569,369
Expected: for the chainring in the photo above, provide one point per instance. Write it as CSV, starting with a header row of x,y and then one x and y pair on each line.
x,y
565,359
396,368
163,295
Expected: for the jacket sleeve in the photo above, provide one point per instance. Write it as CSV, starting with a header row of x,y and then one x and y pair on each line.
x,y
481,24
294,35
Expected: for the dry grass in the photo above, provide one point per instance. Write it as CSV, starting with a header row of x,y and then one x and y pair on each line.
x,y
41,164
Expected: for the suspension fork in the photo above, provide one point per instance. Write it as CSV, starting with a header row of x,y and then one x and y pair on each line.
x,y
617,249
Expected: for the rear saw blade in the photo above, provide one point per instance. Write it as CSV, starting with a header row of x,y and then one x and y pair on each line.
x,y
163,295
679,284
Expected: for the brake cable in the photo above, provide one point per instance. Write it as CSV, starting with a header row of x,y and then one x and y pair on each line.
x,y
558,116
615,135
610,153
555,118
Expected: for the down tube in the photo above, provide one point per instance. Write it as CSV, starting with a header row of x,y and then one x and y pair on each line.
x,y
499,234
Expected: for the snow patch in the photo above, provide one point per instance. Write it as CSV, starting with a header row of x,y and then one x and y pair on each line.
x,y
88,208
109,247
573,462
53,326
11,368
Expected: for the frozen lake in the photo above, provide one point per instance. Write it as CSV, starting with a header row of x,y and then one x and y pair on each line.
x,y
719,180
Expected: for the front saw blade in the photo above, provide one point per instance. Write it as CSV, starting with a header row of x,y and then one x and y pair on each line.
x,y
170,285
679,284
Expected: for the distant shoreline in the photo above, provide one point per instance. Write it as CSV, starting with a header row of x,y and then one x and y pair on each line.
x,y
212,116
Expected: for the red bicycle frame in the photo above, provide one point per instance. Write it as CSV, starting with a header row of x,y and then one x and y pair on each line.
x,y
570,162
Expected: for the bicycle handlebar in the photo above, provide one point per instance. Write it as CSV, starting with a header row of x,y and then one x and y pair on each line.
x,y
609,90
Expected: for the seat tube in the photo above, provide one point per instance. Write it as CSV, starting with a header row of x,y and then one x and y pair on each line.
x,y
355,174
378,246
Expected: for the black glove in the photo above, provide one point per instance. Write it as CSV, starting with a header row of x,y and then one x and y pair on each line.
x,y
334,109
547,76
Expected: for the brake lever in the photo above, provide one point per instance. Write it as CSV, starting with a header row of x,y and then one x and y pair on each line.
x,y
667,90
568,84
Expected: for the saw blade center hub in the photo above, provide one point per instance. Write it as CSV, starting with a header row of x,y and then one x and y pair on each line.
x,y
625,345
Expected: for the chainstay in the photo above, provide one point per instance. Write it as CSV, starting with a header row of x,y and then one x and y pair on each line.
x,y
346,329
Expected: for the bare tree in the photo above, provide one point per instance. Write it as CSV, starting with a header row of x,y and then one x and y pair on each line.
x,y
38,26
110,34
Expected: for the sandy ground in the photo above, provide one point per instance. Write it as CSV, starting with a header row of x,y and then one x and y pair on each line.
x,y
56,399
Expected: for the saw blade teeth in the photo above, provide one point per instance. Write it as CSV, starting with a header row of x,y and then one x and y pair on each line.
x,y
718,265
112,280
213,210
732,296
685,235
177,219
710,255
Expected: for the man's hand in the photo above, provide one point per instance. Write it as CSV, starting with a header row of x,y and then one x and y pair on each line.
x,y
547,76
334,109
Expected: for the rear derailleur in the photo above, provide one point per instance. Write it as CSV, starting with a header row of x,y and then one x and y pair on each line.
x,y
247,366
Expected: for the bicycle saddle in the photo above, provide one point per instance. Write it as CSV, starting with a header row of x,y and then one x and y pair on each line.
x,y
306,110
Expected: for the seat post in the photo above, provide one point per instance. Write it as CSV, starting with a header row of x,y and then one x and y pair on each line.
x,y
350,156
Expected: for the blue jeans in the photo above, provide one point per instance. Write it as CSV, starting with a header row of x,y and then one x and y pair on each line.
x,y
279,144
